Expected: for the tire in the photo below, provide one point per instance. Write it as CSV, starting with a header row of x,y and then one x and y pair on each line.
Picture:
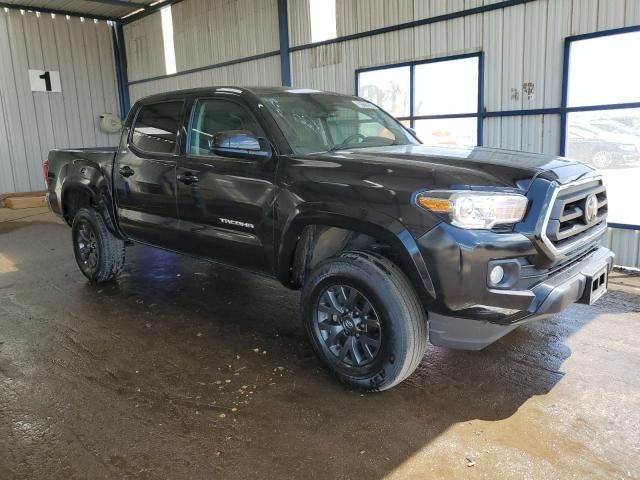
x,y
388,343
601,159
99,253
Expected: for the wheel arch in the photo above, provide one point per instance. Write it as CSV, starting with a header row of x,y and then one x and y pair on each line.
x,y
314,235
77,193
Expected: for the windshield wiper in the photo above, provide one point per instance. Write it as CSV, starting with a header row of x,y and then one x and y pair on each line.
x,y
335,148
344,147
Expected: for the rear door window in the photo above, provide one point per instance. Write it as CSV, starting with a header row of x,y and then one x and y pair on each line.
x,y
156,127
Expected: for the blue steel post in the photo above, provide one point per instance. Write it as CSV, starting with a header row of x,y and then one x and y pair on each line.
x,y
121,69
565,94
285,62
480,127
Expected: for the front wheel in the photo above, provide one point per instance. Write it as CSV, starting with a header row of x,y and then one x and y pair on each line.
x,y
99,253
364,320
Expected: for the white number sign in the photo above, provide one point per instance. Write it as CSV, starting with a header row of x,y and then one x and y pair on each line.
x,y
44,81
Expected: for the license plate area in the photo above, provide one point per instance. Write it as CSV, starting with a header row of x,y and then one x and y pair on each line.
x,y
596,286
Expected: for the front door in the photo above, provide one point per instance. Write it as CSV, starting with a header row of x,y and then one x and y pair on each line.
x,y
225,204
145,175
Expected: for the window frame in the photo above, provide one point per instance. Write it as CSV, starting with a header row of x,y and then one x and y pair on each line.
x,y
194,105
149,154
565,110
478,114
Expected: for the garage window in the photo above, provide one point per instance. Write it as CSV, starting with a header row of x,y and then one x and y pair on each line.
x,y
439,99
156,127
603,114
322,16
167,40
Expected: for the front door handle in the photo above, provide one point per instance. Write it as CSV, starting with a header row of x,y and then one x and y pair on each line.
x,y
188,178
126,171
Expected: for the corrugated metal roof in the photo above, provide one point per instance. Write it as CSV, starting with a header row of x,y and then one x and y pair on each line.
x,y
99,8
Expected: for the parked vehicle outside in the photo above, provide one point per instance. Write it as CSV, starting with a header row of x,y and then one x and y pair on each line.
x,y
603,146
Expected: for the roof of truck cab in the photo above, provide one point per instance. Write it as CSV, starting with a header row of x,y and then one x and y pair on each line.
x,y
258,91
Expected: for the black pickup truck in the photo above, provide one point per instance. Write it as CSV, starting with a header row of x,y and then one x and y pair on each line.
x,y
393,243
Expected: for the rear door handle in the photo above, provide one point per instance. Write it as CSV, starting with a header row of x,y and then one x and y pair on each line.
x,y
126,171
188,178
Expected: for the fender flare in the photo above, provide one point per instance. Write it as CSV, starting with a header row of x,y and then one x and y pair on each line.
x,y
96,186
375,224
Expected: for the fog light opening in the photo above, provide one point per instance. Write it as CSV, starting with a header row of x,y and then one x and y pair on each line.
x,y
496,275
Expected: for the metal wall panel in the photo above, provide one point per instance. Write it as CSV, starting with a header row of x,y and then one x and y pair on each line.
x,y
492,39
207,33
144,47
258,72
584,17
300,24
32,123
558,27
626,245
354,16
512,78
632,13
472,27
534,53
550,134
611,15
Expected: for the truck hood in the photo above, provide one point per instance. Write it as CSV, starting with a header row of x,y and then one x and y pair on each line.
x,y
444,167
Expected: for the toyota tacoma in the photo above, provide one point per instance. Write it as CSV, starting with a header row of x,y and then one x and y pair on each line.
x,y
394,244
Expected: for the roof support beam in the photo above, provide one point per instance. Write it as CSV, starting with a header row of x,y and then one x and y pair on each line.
x,y
121,3
31,8
148,11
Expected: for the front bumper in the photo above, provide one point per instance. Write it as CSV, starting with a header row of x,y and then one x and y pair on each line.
x,y
545,299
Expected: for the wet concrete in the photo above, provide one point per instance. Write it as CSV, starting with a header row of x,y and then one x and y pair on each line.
x,y
188,370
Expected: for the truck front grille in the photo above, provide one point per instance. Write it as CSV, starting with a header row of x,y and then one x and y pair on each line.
x,y
577,216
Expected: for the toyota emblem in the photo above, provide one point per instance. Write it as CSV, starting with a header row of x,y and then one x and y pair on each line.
x,y
590,208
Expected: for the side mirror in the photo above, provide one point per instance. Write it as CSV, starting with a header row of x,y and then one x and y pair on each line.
x,y
240,144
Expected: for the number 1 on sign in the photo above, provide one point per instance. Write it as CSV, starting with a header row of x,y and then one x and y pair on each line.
x,y
46,76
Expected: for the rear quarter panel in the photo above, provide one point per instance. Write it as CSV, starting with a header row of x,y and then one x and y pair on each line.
x,y
87,170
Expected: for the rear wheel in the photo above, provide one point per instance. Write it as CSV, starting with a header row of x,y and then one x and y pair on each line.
x,y
99,253
364,320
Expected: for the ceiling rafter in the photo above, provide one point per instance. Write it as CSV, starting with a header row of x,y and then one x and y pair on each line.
x,y
33,8
149,11
121,3
138,10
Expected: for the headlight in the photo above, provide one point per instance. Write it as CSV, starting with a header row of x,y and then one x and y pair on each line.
x,y
469,209
628,148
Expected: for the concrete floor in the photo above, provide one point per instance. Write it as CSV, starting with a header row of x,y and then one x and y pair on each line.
x,y
187,370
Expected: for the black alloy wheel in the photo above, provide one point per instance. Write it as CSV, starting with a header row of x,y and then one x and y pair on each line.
x,y
87,246
348,325
99,253
364,319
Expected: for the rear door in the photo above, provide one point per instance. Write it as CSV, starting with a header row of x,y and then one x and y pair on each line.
x,y
226,204
145,174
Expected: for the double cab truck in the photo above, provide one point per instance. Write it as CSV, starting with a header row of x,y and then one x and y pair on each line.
x,y
394,244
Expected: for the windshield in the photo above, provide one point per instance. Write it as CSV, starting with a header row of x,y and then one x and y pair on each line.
x,y
321,122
